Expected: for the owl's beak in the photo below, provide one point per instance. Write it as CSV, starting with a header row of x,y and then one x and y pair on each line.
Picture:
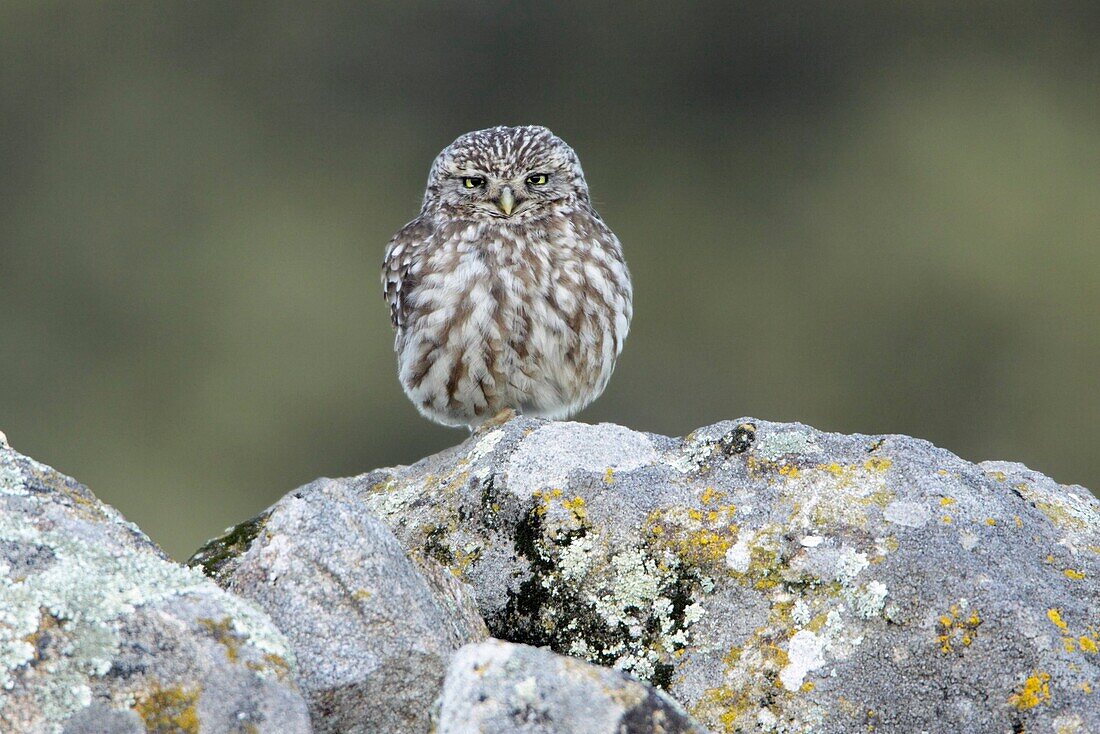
x,y
507,201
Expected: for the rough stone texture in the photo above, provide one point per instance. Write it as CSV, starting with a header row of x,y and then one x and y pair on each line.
x,y
496,687
373,631
100,632
770,576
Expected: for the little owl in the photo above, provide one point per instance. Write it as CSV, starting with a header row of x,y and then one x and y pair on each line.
x,y
508,291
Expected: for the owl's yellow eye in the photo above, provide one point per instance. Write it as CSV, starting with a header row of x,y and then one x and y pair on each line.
x,y
537,179
473,182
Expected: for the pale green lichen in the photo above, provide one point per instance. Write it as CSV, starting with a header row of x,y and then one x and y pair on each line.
x,y
775,444
870,600
485,446
638,585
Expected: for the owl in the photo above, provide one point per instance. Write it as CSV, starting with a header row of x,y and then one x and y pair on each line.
x,y
508,291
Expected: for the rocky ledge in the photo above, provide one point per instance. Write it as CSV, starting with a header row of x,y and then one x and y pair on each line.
x,y
751,576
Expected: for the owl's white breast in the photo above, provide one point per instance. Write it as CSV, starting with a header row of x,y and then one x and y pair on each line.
x,y
502,315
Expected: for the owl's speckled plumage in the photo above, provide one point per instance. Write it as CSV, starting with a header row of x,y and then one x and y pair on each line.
x,y
508,290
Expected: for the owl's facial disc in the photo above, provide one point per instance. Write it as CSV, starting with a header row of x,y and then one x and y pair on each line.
x,y
519,174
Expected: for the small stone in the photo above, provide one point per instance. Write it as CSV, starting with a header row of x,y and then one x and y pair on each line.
x,y
499,687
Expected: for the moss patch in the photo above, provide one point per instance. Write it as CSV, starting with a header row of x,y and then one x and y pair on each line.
x,y
217,553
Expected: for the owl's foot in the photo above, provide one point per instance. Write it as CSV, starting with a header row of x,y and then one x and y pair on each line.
x,y
496,421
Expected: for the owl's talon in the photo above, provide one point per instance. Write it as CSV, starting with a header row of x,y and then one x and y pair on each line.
x,y
496,421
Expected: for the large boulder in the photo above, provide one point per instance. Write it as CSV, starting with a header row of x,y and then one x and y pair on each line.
x,y
100,632
497,687
769,576
373,631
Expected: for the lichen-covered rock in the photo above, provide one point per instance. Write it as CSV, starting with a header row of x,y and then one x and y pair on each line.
x,y
773,577
496,687
373,631
100,632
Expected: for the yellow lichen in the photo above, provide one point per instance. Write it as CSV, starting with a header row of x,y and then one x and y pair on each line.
x,y
386,485
577,508
817,623
223,632
609,476
1060,516
169,710
463,559
882,498
990,521
728,706
1055,616
279,664
1000,476
790,471
695,537
1035,691
735,708
879,465
1074,574
1087,644
545,498
710,494
945,501
956,627
947,520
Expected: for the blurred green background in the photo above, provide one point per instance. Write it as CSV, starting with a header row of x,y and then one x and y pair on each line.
x,y
871,217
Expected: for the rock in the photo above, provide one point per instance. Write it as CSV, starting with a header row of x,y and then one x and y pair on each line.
x,y
372,630
770,576
504,688
100,632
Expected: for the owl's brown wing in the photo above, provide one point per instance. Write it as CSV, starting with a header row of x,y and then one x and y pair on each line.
x,y
398,272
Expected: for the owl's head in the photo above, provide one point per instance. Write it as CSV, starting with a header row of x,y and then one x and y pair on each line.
x,y
505,174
